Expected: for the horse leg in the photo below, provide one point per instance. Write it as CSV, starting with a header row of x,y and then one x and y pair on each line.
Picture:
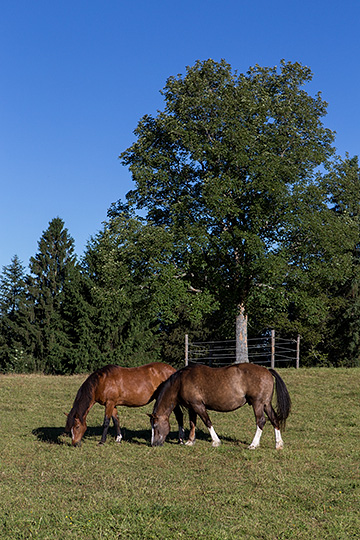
x,y
202,412
180,420
192,437
279,443
115,418
260,423
109,408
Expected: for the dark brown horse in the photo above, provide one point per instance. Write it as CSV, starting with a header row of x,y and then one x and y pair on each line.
x,y
223,389
112,386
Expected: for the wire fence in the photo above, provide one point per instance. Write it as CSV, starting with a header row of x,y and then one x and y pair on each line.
x,y
268,350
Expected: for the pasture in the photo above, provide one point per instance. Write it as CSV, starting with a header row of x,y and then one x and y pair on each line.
x,y
309,490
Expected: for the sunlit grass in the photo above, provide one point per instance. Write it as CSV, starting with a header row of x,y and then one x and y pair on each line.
x,y
311,489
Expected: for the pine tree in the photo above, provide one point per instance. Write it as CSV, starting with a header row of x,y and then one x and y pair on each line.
x,y
343,338
15,351
51,269
79,323
137,293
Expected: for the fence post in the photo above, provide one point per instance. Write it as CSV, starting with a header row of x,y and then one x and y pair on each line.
x,y
298,352
273,349
186,349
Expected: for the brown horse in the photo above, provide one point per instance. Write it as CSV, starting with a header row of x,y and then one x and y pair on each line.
x,y
112,386
221,389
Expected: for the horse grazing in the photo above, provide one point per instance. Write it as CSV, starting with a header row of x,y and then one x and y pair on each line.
x,y
223,389
112,386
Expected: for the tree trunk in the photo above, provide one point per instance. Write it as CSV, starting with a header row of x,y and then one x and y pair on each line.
x,y
241,353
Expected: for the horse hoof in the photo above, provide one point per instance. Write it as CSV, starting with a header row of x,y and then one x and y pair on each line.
x,y
252,447
189,443
216,444
118,439
279,446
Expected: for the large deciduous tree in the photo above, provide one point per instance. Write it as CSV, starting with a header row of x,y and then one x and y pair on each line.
x,y
221,167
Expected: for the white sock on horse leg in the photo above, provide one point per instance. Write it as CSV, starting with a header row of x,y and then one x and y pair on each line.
x,y
215,439
256,440
279,443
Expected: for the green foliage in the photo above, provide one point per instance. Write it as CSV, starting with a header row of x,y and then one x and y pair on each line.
x,y
50,272
136,288
343,323
230,168
14,336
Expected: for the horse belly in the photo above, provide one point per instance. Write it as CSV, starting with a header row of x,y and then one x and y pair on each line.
x,y
225,403
215,398
134,400
135,397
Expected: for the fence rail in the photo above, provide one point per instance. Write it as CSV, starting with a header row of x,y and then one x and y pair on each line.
x,y
268,350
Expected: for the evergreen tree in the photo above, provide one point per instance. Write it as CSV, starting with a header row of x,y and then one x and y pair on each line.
x,y
342,342
51,269
15,350
137,290
76,311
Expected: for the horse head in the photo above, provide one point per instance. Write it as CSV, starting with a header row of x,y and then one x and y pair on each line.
x,y
76,427
160,427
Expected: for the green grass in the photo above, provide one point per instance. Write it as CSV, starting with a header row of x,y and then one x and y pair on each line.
x,y
310,490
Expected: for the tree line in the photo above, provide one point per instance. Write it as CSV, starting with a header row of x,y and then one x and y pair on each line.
x,y
242,218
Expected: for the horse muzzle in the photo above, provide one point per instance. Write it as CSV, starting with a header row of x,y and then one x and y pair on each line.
x,y
157,443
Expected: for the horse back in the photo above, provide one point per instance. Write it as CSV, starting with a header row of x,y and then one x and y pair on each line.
x,y
131,387
225,388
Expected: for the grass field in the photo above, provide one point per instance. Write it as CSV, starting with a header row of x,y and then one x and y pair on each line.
x,y
310,490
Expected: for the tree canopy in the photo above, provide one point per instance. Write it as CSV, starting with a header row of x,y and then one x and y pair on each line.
x,y
230,166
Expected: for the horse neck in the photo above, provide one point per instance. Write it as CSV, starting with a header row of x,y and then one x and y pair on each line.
x,y
84,400
168,397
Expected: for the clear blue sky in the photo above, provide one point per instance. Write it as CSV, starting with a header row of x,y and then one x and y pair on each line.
x,y
76,76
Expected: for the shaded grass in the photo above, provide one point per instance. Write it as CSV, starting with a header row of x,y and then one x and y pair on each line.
x,y
311,489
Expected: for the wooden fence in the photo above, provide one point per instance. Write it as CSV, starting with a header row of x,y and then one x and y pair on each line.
x,y
268,350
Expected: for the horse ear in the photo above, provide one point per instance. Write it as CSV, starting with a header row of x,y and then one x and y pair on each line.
x,y
66,414
150,415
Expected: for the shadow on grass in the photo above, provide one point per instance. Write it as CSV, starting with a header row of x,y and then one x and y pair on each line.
x,y
57,435
143,437
49,435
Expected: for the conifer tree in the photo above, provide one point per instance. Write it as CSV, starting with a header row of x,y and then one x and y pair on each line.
x,y
14,346
51,268
342,341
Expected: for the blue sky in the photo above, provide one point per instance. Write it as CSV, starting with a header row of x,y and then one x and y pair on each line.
x,y
76,76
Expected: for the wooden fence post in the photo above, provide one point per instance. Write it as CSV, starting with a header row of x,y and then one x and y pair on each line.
x,y
298,352
186,349
273,349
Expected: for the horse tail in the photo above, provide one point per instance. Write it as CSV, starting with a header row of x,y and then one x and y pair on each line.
x,y
283,401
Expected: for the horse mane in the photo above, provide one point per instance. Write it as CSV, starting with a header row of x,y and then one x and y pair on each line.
x,y
85,396
173,382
